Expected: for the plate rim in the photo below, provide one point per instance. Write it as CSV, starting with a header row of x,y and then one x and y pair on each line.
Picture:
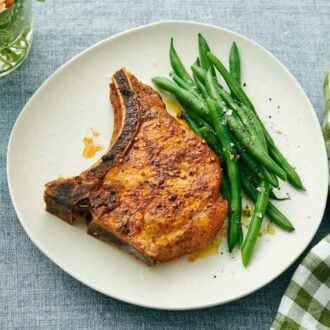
x,y
133,301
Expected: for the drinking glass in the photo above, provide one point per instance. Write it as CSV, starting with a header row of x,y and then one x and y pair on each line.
x,y
15,33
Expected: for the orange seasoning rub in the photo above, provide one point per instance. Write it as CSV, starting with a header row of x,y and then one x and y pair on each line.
x,y
90,148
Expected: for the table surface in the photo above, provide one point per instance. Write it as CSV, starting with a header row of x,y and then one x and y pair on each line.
x,y
34,292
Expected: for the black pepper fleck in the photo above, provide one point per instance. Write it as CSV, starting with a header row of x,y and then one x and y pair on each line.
x,y
172,197
124,229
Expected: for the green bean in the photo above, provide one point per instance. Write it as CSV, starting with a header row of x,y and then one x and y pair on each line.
x,y
248,125
270,177
234,233
187,102
277,217
200,86
198,120
192,125
203,50
275,153
181,83
235,63
255,223
215,92
255,180
212,90
253,166
211,139
292,175
199,72
209,132
231,82
225,187
178,66
272,212
186,98
254,147
219,94
256,168
211,87
251,136
242,110
197,89
197,107
249,118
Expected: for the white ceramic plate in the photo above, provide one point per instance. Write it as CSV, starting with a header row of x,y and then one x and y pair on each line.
x,y
47,142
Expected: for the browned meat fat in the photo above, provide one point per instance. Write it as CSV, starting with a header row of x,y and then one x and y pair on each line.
x,y
155,193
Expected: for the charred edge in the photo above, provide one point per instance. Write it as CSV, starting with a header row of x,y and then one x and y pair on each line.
x,y
66,212
64,197
53,206
130,127
105,236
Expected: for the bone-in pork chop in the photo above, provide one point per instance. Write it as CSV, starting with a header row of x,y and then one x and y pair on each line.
x,y
155,193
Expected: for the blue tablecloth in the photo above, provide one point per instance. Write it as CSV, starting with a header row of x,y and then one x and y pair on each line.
x,y
35,293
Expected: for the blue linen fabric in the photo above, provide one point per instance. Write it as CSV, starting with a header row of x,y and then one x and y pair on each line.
x,y
34,292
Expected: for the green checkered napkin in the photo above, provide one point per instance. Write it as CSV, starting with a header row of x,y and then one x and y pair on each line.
x,y
306,302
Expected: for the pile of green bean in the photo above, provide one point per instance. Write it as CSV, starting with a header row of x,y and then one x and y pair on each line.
x,y
229,123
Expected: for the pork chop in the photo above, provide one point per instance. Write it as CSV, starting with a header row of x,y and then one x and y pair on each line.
x,y
155,193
